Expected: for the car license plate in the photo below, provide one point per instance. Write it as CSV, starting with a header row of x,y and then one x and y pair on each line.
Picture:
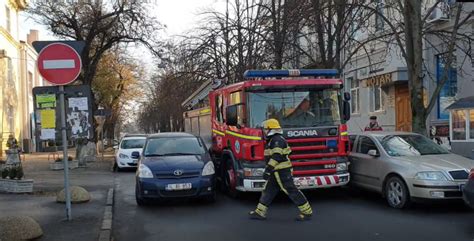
x,y
178,186
461,187
304,182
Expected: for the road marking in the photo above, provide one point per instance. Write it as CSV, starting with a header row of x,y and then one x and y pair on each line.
x,y
59,64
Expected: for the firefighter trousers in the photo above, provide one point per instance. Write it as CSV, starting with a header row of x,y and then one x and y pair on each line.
x,y
283,180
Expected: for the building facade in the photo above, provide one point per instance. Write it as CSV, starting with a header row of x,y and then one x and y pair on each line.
x,y
378,82
18,76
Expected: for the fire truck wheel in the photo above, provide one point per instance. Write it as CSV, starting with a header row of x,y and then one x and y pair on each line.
x,y
230,180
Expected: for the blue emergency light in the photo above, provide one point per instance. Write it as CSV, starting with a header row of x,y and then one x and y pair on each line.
x,y
290,73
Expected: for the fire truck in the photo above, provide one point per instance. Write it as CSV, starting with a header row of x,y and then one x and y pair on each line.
x,y
312,109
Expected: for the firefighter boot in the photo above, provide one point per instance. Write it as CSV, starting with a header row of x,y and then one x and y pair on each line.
x,y
305,212
260,213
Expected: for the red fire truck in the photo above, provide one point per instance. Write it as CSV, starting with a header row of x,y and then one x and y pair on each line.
x,y
312,109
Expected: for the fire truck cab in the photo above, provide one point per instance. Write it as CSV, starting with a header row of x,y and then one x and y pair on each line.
x,y
312,110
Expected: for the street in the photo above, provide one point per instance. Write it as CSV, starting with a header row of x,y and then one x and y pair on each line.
x,y
340,214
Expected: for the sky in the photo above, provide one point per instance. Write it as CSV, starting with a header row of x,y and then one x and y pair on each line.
x,y
179,16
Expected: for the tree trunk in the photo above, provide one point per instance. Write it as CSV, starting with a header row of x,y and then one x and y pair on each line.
x,y
414,49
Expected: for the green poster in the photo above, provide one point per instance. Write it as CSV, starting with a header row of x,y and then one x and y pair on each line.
x,y
46,101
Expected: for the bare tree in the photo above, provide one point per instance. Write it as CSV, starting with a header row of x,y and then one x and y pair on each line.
x,y
101,26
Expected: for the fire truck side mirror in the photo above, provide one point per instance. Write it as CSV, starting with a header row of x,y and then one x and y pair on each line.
x,y
231,115
346,110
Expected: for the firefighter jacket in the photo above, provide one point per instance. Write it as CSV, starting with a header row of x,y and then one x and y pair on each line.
x,y
277,153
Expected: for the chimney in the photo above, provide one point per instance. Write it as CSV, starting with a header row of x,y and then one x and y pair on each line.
x,y
32,36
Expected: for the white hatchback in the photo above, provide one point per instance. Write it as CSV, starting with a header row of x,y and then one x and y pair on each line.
x,y
123,155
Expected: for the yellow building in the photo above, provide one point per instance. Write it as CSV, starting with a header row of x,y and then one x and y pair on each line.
x,y
18,75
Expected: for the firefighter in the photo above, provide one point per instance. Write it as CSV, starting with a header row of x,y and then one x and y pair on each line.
x,y
278,174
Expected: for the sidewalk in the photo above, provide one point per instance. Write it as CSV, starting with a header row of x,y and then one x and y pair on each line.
x,y
41,205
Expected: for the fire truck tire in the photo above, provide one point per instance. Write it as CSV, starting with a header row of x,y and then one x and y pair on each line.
x,y
229,180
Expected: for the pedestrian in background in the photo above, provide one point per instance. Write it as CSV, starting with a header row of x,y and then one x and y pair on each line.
x,y
373,125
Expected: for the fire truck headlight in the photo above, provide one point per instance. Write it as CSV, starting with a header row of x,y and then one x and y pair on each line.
x,y
253,172
341,167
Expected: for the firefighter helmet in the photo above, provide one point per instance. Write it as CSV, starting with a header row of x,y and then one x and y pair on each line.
x,y
271,124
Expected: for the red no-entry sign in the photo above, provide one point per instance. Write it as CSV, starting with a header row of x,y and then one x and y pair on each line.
x,y
59,63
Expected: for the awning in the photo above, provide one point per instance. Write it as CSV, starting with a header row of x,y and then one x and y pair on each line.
x,y
464,103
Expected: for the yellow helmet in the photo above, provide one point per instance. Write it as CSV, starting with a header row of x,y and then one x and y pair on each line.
x,y
271,124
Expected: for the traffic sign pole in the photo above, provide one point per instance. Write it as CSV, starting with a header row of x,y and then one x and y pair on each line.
x,y
65,156
59,62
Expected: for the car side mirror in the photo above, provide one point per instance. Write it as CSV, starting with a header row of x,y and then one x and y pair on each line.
x,y
135,155
373,153
346,110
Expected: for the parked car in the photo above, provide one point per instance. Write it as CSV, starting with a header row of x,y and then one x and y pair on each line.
x,y
468,191
174,165
123,155
406,166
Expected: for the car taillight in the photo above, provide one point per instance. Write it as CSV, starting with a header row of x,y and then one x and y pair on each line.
x,y
471,175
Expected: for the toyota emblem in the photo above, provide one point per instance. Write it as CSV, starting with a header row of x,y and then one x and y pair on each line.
x,y
178,172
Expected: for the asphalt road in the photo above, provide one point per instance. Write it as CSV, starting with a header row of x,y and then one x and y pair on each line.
x,y
340,214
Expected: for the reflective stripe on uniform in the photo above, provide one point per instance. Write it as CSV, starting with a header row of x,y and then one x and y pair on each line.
x,y
305,209
281,151
283,165
273,163
344,133
267,152
261,210
277,177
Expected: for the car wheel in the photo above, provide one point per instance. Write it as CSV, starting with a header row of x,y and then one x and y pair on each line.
x,y
396,193
140,200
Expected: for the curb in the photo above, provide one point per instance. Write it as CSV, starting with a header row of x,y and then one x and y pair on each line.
x,y
106,228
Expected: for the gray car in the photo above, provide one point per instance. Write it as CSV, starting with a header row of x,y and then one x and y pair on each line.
x,y
404,166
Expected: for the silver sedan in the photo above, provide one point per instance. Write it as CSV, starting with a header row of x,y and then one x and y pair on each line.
x,y
406,166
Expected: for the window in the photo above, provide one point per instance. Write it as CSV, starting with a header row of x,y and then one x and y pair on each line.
x,y
459,125
235,98
376,98
354,95
8,17
379,22
449,90
366,144
410,145
471,124
133,143
175,146
301,108
219,106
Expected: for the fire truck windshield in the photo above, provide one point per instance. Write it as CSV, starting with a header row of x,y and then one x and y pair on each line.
x,y
295,108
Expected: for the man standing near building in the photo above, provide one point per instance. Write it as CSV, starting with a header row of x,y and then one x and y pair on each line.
x,y
373,125
278,174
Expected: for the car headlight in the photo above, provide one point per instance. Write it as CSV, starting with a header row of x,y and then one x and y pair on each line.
x,y
123,156
431,176
144,172
341,167
253,172
208,169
